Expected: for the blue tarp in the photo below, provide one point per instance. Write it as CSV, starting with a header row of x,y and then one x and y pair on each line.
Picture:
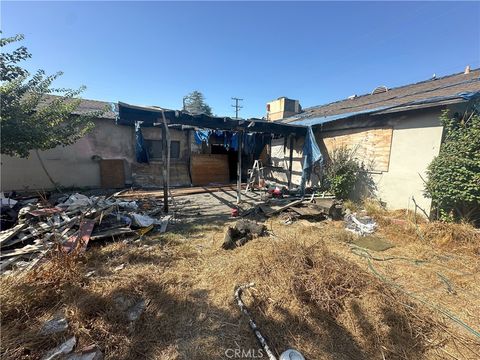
x,y
311,156
202,135
141,152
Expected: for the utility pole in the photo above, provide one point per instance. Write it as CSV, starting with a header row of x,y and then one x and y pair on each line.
x,y
237,106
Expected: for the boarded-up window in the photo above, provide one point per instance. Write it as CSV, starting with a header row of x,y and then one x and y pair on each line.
x,y
372,146
154,148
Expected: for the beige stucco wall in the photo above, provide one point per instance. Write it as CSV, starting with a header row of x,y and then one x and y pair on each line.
x,y
416,140
71,166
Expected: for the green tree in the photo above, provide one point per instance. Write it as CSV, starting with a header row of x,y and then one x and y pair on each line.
x,y
453,181
195,104
35,116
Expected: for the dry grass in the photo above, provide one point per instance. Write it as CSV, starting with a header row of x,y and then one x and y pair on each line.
x,y
306,297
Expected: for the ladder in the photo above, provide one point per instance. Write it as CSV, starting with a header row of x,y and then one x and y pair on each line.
x,y
254,172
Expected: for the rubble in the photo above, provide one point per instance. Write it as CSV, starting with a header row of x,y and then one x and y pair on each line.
x,y
56,325
243,231
62,349
361,226
91,352
70,223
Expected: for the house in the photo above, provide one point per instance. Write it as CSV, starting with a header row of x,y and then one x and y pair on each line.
x,y
395,132
108,156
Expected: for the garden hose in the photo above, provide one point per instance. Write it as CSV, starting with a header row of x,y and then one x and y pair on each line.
x,y
289,354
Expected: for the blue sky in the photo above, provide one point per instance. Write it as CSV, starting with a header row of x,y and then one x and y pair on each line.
x,y
156,52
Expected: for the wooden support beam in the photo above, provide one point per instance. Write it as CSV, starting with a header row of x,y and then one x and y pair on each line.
x,y
239,167
290,161
164,170
166,164
189,155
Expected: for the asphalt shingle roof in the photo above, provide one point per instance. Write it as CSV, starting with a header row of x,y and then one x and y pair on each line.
x,y
444,86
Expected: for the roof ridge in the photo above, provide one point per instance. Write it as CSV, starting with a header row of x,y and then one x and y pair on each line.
x,y
389,89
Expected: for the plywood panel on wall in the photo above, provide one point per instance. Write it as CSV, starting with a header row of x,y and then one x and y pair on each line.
x,y
112,173
372,146
210,168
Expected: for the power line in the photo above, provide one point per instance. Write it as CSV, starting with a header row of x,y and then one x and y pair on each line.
x,y
237,106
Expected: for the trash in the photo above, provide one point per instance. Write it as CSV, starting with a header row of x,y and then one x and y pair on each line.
x,y
243,231
63,349
362,227
91,352
134,312
90,273
55,325
71,221
119,267
291,354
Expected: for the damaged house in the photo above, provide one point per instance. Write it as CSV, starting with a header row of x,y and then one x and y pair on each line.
x,y
395,132
126,146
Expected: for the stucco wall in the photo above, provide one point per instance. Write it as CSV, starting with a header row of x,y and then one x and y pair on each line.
x,y
71,166
416,140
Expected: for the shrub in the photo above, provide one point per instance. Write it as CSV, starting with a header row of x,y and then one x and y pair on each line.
x,y
341,172
454,175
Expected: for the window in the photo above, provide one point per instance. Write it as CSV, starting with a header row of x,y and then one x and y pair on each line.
x,y
154,148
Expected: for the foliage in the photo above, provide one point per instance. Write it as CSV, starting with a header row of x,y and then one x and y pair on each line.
x,y
454,175
195,103
32,117
342,171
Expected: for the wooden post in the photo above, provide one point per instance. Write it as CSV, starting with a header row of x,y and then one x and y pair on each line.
x,y
164,170
189,155
290,162
166,164
239,167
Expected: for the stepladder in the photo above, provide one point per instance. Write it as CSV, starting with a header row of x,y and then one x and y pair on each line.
x,y
256,176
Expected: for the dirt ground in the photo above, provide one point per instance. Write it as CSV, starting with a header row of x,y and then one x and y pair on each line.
x,y
314,291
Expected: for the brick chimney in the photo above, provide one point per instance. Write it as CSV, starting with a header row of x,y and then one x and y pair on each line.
x,y
282,108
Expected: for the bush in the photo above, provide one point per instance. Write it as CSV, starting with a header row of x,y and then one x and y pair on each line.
x,y
341,172
454,175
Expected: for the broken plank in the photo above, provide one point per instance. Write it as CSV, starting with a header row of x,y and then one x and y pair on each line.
x,y
111,233
10,233
45,212
308,211
281,208
25,250
6,263
86,228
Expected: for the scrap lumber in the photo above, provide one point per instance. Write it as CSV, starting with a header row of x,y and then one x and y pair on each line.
x,y
111,232
22,251
7,262
269,211
81,237
10,233
45,211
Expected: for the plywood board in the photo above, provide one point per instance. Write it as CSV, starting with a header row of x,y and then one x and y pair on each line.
x,y
112,173
371,145
210,169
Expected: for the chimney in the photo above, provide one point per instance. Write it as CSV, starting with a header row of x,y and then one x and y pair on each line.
x,y
282,108
467,70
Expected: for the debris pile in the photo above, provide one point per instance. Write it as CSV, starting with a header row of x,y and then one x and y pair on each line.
x,y
313,208
242,232
362,226
69,223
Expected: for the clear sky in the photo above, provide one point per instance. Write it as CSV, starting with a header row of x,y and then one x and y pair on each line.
x,y
154,53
